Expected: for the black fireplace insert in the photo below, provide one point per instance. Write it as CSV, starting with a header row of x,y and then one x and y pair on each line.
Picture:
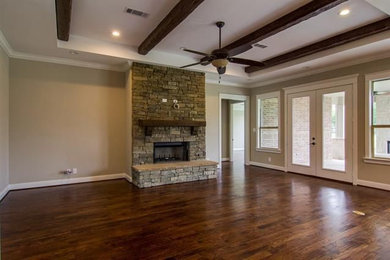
x,y
170,152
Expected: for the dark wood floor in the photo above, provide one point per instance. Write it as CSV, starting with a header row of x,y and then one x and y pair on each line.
x,y
250,213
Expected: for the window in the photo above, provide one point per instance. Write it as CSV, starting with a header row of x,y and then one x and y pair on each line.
x,y
268,121
378,116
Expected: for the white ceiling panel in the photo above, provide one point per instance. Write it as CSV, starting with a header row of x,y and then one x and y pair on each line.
x,y
318,28
96,19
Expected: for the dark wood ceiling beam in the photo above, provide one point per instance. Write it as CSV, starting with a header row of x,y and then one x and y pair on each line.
x,y
180,12
301,14
332,42
63,17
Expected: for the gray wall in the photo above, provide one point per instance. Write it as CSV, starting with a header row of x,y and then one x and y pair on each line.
x,y
65,117
4,120
369,172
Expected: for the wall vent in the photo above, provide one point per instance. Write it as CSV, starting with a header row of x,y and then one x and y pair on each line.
x,y
260,45
136,12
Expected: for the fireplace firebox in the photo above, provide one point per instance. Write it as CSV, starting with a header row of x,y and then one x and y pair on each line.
x,y
170,152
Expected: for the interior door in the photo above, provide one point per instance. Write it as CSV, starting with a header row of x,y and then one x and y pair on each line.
x,y
334,133
301,134
320,133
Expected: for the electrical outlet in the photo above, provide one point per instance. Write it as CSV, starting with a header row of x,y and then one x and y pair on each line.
x,y
70,171
164,100
269,159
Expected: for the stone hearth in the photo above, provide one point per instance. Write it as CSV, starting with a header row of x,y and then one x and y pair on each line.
x,y
150,175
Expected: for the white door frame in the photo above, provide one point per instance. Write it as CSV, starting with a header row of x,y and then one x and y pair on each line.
x,y
346,80
246,100
231,132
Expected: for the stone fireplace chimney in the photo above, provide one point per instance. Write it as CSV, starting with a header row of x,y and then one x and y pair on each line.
x,y
170,94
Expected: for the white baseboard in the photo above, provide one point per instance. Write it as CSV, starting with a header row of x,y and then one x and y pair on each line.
x,y
225,159
37,184
4,192
128,178
371,184
269,166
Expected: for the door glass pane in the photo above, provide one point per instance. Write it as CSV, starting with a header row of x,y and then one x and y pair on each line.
x,y
301,131
382,142
333,131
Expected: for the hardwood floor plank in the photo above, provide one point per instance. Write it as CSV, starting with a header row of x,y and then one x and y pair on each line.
x,y
247,213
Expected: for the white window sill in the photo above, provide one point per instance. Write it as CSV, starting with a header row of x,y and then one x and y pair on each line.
x,y
381,161
265,150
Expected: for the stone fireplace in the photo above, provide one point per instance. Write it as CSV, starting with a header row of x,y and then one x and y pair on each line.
x,y
168,126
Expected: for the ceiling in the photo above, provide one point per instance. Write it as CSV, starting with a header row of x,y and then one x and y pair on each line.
x,y
29,26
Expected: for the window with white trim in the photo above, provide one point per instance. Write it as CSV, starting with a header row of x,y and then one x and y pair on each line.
x,y
379,118
268,122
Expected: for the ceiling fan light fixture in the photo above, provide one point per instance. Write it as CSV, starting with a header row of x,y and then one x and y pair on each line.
x,y
218,63
221,70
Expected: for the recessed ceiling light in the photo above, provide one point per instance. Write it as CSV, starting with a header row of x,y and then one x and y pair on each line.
x,y
116,33
344,12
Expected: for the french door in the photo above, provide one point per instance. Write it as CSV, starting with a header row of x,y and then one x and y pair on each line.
x,y
320,133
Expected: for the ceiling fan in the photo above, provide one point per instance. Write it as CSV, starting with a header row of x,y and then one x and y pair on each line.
x,y
219,58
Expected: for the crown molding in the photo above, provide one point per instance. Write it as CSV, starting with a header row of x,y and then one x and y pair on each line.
x,y
210,80
63,61
262,83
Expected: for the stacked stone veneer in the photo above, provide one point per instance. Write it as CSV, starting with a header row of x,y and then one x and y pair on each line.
x,y
146,178
151,84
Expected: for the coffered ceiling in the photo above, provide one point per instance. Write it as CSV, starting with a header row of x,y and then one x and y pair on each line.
x,y
29,26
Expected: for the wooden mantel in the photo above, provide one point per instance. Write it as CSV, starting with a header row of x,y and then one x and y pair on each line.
x,y
148,124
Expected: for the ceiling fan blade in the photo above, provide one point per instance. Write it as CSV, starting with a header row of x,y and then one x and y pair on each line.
x,y
206,60
196,52
246,62
238,50
189,65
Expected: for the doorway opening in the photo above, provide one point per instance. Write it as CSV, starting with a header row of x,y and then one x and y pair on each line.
x,y
234,119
